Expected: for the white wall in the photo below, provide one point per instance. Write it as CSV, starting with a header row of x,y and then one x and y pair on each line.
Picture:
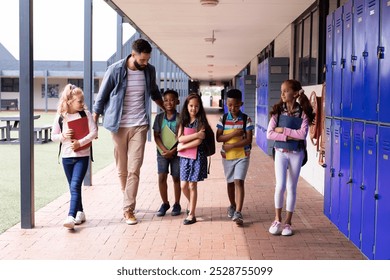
x,y
312,172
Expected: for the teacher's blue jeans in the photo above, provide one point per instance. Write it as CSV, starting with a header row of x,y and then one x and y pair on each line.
x,y
75,169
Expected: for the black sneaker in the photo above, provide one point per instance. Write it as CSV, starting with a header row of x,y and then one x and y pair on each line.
x,y
163,209
176,209
230,211
237,217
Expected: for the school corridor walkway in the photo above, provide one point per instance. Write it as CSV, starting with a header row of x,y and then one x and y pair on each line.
x,y
105,235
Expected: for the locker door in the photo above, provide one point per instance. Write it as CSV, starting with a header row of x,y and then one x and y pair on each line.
x,y
358,59
357,181
329,173
346,63
329,64
370,101
368,189
382,240
335,181
345,176
337,59
384,67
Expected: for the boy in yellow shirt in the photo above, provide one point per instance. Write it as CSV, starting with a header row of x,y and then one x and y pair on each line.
x,y
235,130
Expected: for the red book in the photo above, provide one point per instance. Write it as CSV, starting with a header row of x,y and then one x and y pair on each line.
x,y
80,129
190,152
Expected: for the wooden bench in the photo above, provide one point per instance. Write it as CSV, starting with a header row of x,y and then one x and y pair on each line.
x,y
42,134
7,104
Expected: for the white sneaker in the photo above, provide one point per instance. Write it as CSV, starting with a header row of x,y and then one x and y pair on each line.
x,y
80,218
287,230
275,228
69,222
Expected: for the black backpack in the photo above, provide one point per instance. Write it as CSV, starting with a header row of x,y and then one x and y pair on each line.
x,y
209,141
60,122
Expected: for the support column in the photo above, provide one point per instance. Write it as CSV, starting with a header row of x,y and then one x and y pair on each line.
x,y
26,130
88,94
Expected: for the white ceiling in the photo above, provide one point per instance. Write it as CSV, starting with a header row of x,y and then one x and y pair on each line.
x,y
242,28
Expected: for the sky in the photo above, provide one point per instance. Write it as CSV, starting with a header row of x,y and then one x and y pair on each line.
x,y
58,29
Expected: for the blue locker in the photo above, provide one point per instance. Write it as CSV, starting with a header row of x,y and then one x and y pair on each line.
x,y
345,176
382,240
346,62
358,59
329,64
329,172
334,181
328,166
356,183
370,100
368,190
337,59
384,67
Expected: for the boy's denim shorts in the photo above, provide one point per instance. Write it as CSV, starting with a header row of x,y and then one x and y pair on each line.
x,y
163,165
235,169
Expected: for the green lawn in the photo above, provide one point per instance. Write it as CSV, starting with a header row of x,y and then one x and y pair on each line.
x,y
50,181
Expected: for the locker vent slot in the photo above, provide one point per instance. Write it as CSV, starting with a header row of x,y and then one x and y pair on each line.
x,y
348,16
338,22
358,139
386,145
359,10
329,28
372,3
370,141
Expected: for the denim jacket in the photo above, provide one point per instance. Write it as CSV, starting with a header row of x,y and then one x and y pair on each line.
x,y
109,100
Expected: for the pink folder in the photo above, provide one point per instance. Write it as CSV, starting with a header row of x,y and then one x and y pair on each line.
x,y
191,152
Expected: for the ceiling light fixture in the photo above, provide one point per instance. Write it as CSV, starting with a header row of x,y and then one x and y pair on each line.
x,y
210,65
209,3
209,56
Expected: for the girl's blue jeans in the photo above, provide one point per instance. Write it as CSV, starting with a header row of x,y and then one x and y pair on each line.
x,y
75,169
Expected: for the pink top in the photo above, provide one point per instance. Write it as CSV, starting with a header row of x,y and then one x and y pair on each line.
x,y
294,133
66,150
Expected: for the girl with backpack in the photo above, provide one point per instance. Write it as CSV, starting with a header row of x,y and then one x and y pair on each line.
x,y
288,127
192,151
74,147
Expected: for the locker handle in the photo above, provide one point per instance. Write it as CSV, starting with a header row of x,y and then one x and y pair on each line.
x,y
365,54
376,196
349,181
362,187
342,63
381,52
324,165
332,172
340,174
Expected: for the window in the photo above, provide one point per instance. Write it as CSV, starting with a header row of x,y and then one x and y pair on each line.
x,y
80,83
306,38
10,84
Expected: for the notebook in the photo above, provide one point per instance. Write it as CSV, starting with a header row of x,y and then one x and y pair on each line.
x,y
190,152
168,138
81,129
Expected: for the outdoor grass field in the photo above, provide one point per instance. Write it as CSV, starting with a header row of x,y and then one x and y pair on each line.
x,y
50,181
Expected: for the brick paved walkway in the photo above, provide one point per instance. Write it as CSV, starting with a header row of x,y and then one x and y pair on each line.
x,y
214,236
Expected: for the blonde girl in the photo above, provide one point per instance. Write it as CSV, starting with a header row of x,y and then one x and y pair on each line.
x,y
75,158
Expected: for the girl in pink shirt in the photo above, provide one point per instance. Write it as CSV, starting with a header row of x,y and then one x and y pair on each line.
x,y
288,126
